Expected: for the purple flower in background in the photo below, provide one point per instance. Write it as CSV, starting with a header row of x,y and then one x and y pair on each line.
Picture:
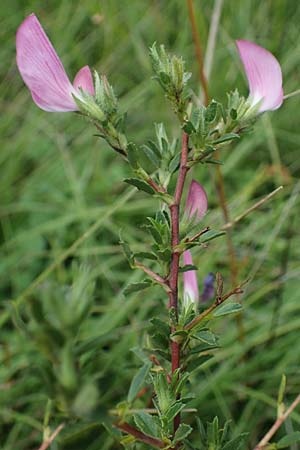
x,y
264,75
208,287
43,72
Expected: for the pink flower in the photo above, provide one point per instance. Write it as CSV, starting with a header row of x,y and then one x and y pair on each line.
x,y
196,207
264,75
196,203
190,283
43,72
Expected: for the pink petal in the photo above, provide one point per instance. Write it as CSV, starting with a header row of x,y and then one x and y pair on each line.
x,y
41,68
264,75
196,203
190,284
84,80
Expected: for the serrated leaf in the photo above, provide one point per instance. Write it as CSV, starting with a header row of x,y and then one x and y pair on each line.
x,y
138,381
135,287
140,185
173,410
182,432
161,388
146,423
286,441
227,308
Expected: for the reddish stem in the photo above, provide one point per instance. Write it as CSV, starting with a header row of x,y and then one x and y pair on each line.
x,y
139,436
173,280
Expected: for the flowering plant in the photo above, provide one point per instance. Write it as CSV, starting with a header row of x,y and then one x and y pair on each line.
x,y
182,341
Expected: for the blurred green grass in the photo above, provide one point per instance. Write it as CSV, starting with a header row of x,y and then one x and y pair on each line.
x,y
57,180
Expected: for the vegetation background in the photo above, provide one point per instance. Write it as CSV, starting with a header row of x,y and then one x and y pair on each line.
x,y
59,182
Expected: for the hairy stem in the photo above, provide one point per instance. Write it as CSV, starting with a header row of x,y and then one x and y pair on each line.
x,y
173,280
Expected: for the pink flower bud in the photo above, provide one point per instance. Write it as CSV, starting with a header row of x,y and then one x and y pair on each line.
x,y
196,204
190,284
43,72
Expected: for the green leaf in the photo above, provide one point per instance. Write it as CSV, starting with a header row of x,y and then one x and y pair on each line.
x,y
132,155
225,138
161,388
237,443
146,423
138,381
189,128
159,325
281,390
146,255
233,114
211,111
182,432
174,163
195,363
151,156
210,235
140,185
173,410
214,161
203,348
206,336
127,251
228,308
286,441
135,287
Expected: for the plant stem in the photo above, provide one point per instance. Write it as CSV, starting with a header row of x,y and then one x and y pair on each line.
x,y
46,444
139,436
217,302
173,279
198,49
277,424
